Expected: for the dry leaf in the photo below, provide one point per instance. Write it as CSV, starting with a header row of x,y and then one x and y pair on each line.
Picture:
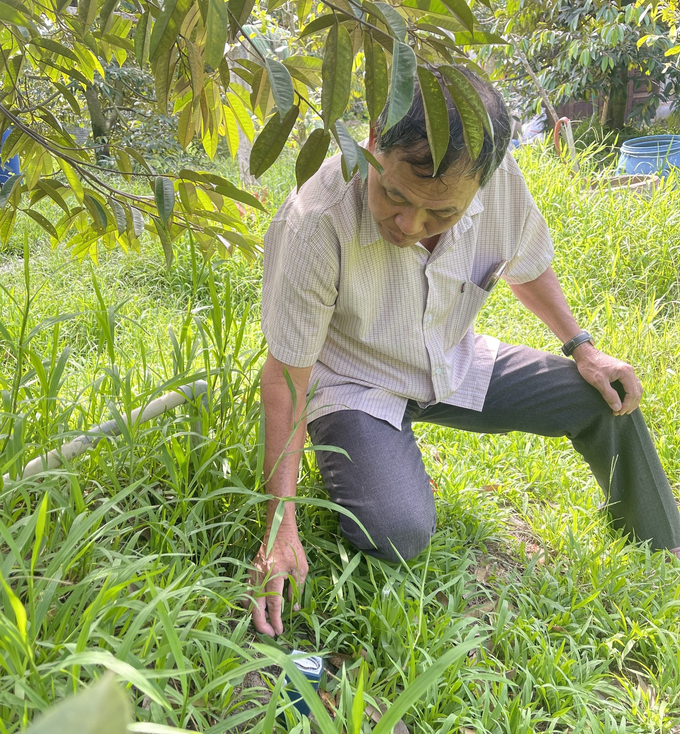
x,y
482,573
479,610
531,549
442,598
376,715
329,702
338,659
646,689
492,487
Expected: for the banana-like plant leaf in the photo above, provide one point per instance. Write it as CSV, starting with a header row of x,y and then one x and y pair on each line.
x,y
166,27
137,221
312,155
473,130
106,14
103,708
164,71
479,38
281,85
460,10
336,73
402,83
11,15
142,38
394,21
318,24
353,156
460,81
375,77
217,27
72,178
239,12
44,222
166,242
98,213
165,197
54,47
119,215
8,189
271,140
436,115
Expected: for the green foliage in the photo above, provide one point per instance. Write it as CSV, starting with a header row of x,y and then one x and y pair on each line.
x,y
133,557
88,94
585,50
102,709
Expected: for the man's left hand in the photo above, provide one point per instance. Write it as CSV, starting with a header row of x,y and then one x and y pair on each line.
x,y
600,370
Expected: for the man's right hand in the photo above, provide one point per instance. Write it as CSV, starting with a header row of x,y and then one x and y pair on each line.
x,y
267,578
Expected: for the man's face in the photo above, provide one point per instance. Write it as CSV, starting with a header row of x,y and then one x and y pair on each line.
x,y
408,208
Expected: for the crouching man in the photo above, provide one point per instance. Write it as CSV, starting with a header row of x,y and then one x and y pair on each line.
x,y
370,293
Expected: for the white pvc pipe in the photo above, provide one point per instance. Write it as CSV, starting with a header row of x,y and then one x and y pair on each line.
x,y
80,445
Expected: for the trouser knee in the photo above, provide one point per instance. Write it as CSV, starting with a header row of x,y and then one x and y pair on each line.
x,y
395,538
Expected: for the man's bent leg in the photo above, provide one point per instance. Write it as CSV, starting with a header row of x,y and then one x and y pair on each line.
x,y
384,484
541,393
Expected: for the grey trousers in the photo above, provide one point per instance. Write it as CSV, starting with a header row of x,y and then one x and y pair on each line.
x,y
386,487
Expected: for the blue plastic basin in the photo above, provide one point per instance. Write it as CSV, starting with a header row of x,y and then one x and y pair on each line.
x,y
10,167
651,154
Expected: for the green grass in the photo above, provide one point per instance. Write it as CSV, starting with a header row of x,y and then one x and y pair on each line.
x,y
134,557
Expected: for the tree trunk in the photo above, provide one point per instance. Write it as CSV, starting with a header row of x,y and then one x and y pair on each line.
x,y
101,124
248,181
615,111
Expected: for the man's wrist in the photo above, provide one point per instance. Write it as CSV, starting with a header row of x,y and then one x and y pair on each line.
x,y
570,346
584,351
288,523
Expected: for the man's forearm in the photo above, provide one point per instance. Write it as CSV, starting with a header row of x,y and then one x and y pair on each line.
x,y
544,297
284,436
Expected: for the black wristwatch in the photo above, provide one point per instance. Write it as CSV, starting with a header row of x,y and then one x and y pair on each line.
x,y
580,338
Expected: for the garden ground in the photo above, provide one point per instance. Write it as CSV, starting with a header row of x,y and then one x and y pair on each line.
x,y
134,558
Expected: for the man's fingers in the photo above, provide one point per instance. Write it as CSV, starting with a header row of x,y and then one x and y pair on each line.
x,y
633,389
610,395
275,603
260,618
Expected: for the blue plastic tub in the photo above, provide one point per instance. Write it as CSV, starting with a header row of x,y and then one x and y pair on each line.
x,y
10,167
652,154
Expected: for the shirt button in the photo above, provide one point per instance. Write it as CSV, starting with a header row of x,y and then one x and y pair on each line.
x,y
438,371
428,318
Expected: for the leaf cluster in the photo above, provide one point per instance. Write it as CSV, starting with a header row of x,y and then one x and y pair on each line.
x,y
107,67
582,49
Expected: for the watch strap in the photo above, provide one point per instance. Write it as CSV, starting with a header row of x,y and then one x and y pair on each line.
x,y
580,338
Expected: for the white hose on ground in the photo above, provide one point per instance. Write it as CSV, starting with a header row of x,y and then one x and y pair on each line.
x,y
80,445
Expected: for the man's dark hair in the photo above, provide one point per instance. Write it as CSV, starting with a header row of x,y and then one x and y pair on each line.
x,y
409,135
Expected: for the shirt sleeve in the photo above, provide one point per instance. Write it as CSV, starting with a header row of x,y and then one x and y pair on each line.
x,y
535,249
299,289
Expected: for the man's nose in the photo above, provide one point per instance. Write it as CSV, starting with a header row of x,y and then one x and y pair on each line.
x,y
409,221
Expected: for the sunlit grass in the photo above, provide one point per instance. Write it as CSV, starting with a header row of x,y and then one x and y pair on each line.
x,y
135,556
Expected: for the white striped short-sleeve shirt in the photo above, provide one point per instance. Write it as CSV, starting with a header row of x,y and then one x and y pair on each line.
x,y
382,324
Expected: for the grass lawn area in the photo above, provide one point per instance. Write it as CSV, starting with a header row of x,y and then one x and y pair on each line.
x,y
134,556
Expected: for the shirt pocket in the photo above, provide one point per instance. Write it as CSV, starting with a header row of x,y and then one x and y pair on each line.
x,y
468,305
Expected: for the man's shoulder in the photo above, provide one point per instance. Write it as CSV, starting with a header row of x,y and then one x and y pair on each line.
x,y
506,188
325,195
509,167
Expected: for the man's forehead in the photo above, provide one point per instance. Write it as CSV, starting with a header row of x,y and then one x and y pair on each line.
x,y
448,191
